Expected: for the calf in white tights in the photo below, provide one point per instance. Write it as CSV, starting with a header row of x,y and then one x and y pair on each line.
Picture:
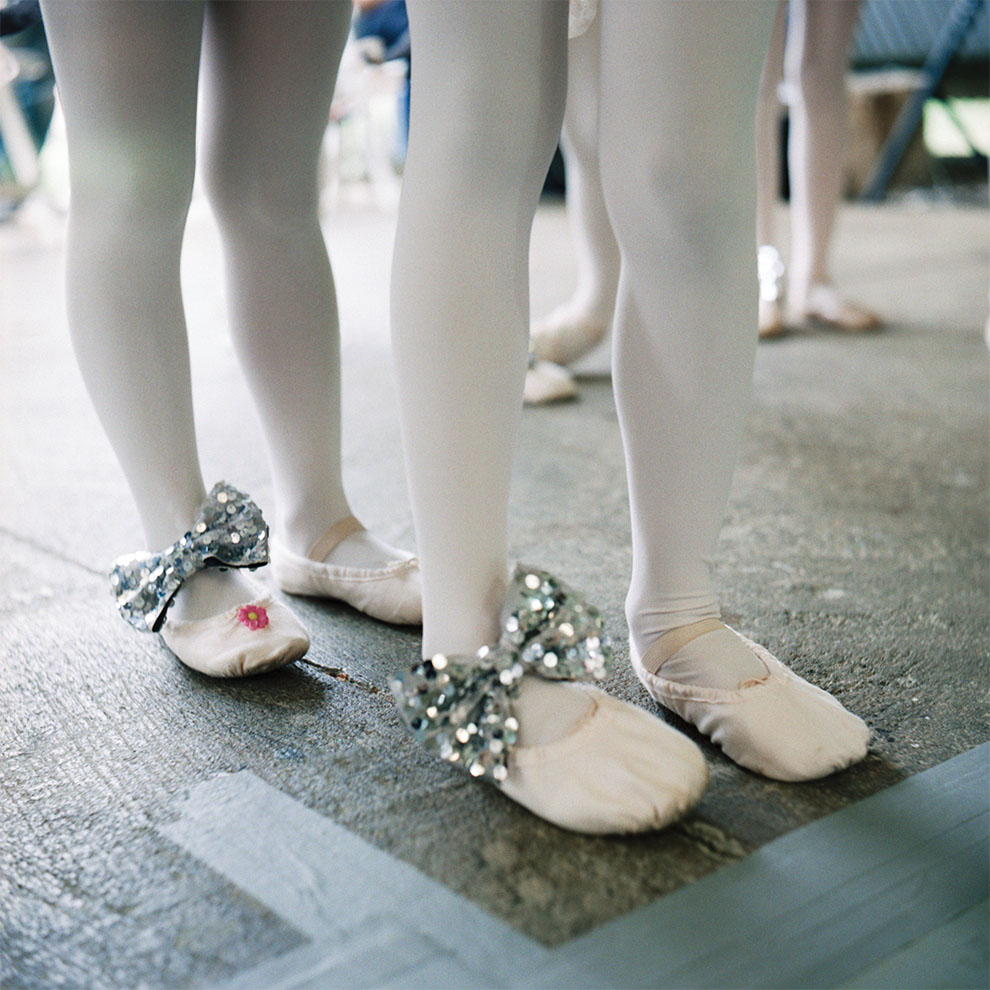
x,y
127,74
809,52
678,87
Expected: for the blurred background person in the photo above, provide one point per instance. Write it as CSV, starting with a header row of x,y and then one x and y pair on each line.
x,y
805,70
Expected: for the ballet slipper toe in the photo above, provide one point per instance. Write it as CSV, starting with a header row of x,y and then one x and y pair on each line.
x,y
248,639
825,307
562,339
618,770
779,726
393,593
546,383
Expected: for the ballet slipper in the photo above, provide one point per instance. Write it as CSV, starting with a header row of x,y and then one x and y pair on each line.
x,y
777,725
615,769
229,532
823,305
618,770
391,594
247,639
547,382
563,337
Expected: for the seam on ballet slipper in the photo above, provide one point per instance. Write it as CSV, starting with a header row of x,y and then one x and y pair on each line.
x,y
777,676
283,558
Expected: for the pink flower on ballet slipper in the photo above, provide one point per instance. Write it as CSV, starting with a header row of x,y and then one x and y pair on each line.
x,y
253,616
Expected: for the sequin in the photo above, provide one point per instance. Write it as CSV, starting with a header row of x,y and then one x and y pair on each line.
x,y
229,531
461,707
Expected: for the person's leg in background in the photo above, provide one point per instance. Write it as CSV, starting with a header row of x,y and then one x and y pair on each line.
x,y
386,24
482,133
577,325
819,34
679,181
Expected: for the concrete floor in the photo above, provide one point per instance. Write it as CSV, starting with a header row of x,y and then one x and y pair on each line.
x,y
855,547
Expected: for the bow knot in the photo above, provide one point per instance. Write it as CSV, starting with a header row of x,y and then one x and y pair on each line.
x,y
229,531
461,706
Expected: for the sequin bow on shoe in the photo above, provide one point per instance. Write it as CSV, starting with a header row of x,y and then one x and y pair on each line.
x,y
615,769
461,706
229,531
252,637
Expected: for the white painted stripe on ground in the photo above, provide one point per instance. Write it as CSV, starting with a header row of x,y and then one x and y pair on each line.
x,y
336,888
812,908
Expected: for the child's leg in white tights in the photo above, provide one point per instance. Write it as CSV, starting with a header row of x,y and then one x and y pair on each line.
x,y
677,150
678,177
127,76
482,132
487,98
574,327
269,69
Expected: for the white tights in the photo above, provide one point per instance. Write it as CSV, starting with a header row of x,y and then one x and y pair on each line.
x,y
585,318
678,86
675,138
483,127
127,75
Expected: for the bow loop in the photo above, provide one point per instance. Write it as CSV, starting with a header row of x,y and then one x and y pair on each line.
x,y
556,632
229,531
461,706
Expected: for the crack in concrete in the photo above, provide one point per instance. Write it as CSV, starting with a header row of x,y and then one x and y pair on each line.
x,y
338,674
48,551
712,840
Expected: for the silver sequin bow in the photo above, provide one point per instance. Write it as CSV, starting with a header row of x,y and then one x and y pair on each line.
x,y
229,531
461,706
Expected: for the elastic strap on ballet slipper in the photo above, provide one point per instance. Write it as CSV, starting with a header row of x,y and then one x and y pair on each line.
x,y
669,643
333,537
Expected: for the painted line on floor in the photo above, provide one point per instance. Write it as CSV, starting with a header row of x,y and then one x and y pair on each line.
x,y
813,908
336,888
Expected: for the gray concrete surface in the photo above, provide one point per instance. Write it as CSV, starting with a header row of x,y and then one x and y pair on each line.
x,y
855,547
